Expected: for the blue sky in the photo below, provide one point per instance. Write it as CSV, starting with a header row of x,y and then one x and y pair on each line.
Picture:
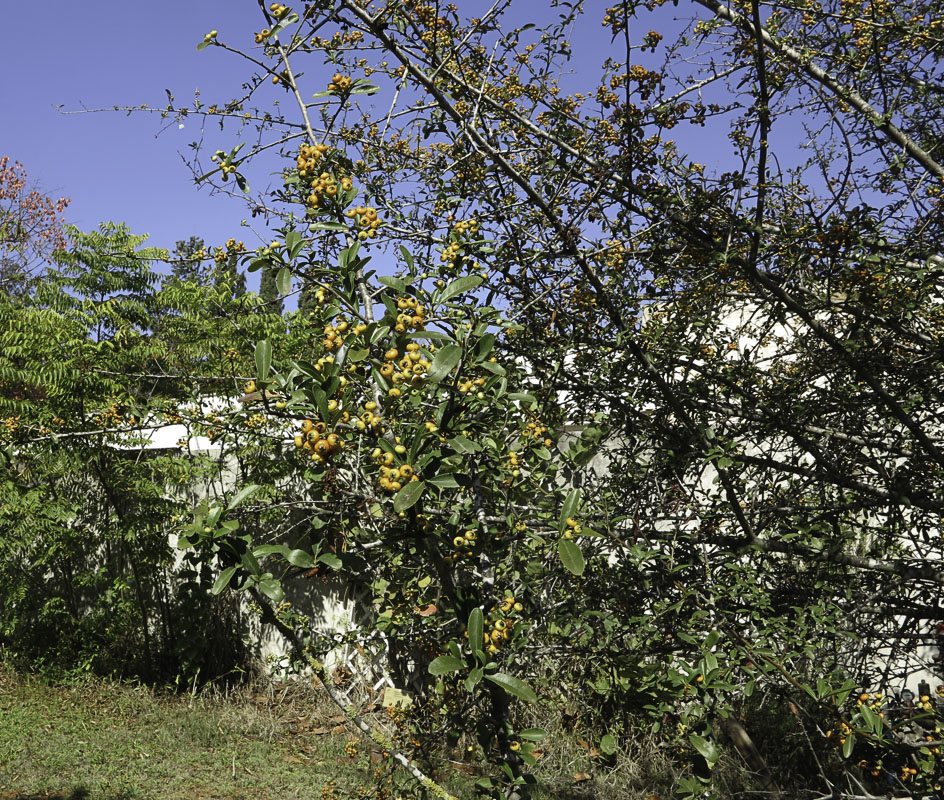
x,y
96,55
128,168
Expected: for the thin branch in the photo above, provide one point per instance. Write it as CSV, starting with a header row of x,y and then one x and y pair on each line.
x,y
844,93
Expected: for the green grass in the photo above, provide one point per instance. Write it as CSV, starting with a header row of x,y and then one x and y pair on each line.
x,y
100,740
107,741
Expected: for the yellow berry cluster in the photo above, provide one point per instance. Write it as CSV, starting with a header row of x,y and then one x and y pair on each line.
x,y
393,476
841,734
573,526
322,187
873,701
369,420
260,37
350,748
339,83
412,315
114,415
232,247
225,168
334,335
501,622
367,220
874,769
613,255
470,384
534,430
463,544
278,10
412,367
324,361
935,737
255,422
451,255
320,295
309,157
330,791
210,36
514,464
315,439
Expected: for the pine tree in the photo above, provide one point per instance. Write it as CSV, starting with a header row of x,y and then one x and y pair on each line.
x,y
187,259
269,290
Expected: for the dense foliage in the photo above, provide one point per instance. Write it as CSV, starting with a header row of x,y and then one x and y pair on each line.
x,y
638,442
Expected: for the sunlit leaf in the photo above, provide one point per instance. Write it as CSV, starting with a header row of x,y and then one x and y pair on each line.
x,y
408,495
571,556
444,362
513,686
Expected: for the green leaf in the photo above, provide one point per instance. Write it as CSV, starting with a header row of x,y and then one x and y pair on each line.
x,y
533,734
433,336
269,549
392,283
445,664
523,397
272,589
263,359
513,686
706,748
243,494
463,445
475,629
444,362
571,556
327,226
321,402
291,19
608,744
356,354
569,508
474,677
330,560
299,558
408,495
283,281
447,481
848,745
223,581
458,286
407,256
294,242
483,347
251,563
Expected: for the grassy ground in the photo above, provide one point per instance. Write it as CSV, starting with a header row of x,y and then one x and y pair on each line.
x,y
104,741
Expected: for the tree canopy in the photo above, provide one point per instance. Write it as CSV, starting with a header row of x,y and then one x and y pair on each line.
x,y
600,429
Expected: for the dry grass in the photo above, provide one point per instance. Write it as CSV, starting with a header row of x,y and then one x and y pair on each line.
x,y
99,740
